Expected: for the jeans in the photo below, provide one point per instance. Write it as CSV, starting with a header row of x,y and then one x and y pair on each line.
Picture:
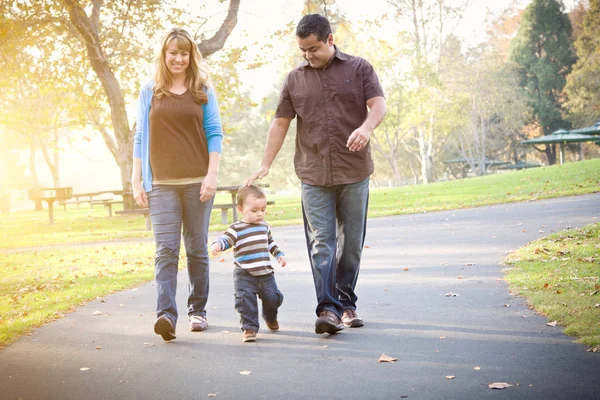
x,y
171,208
335,222
247,287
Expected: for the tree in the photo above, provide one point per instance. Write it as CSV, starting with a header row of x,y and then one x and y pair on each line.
x,y
583,84
543,54
112,39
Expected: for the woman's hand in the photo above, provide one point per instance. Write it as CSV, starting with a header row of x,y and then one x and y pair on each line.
x,y
139,195
209,187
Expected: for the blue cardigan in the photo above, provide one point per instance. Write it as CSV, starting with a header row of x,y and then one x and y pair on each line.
x,y
141,139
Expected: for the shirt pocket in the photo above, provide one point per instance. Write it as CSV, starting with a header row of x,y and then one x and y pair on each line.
x,y
350,91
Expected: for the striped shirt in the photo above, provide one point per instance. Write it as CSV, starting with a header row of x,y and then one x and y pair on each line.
x,y
251,244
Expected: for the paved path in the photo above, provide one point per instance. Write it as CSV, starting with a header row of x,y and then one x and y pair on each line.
x,y
406,315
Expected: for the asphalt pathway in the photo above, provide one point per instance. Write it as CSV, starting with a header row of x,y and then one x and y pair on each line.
x,y
410,264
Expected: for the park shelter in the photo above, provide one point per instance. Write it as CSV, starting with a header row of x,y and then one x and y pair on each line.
x,y
588,130
562,137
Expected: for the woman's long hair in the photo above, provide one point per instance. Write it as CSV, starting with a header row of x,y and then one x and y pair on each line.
x,y
197,75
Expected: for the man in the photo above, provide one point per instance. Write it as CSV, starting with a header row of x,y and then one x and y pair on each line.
x,y
330,93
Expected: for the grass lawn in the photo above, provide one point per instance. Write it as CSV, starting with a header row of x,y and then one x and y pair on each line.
x,y
88,225
560,276
39,283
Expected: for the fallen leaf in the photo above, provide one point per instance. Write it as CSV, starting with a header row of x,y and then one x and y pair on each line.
x,y
459,277
386,358
442,337
553,323
245,372
450,294
212,395
450,377
507,305
469,264
146,344
476,368
225,332
499,385
98,347
406,269
97,312
84,369
546,286
596,305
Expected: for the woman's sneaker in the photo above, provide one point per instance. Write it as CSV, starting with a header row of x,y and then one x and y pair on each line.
x,y
164,327
198,323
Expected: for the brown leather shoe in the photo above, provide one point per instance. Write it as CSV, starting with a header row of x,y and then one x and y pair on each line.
x,y
328,322
249,336
273,325
351,319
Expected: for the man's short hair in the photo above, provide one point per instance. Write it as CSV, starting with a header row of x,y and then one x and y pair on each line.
x,y
314,24
247,191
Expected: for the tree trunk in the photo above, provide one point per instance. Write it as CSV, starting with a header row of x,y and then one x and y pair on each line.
x,y
550,151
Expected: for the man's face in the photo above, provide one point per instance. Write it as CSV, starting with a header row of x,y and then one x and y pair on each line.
x,y
314,51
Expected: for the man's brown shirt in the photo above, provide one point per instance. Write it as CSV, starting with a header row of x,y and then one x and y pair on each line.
x,y
330,104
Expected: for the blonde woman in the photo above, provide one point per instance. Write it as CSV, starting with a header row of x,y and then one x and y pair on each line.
x,y
176,156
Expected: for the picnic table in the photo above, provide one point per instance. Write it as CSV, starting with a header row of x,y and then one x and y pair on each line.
x,y
50,195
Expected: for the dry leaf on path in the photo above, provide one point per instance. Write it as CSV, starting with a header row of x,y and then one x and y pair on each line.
x,y
97,312
450,377
450,294
553,323
212,395
245,372
98,347
476,368
84,369
386,358
499,385
146,344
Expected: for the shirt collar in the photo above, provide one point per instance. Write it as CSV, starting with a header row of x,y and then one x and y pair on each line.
x,y
338,54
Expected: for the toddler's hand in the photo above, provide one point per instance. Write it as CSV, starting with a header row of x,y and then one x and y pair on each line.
x,y
215,249
281,260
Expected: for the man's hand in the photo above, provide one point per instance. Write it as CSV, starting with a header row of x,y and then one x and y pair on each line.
x,y
259,174
281,261
359,138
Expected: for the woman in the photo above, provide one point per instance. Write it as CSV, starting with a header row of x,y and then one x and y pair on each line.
x,y
176,156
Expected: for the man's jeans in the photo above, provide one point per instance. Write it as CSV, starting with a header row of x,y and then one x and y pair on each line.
x,y
335,221
247,287
171,207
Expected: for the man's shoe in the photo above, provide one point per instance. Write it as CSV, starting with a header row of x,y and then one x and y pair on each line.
x,y
328,322
351,319
198,323
249,336
164,327
273,325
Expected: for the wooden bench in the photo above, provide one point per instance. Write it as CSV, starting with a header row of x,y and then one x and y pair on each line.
x,y
138,211
108,203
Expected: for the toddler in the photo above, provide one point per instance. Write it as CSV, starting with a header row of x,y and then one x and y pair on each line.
x,y
253,275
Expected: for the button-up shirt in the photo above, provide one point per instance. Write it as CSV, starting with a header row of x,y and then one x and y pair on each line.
x,y
330,104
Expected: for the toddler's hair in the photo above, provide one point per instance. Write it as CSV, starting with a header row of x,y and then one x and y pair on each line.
x,y
247,191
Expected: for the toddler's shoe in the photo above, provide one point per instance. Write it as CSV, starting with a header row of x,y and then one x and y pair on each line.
x,y
273,325
249,336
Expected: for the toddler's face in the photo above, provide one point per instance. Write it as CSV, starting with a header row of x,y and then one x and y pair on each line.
x,y
253,210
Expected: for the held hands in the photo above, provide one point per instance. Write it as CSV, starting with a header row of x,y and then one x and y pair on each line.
x,y
215,249
359,138
139,195
259,174
281,261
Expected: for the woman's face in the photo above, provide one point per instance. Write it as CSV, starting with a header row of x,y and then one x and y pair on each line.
x,y
177,59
